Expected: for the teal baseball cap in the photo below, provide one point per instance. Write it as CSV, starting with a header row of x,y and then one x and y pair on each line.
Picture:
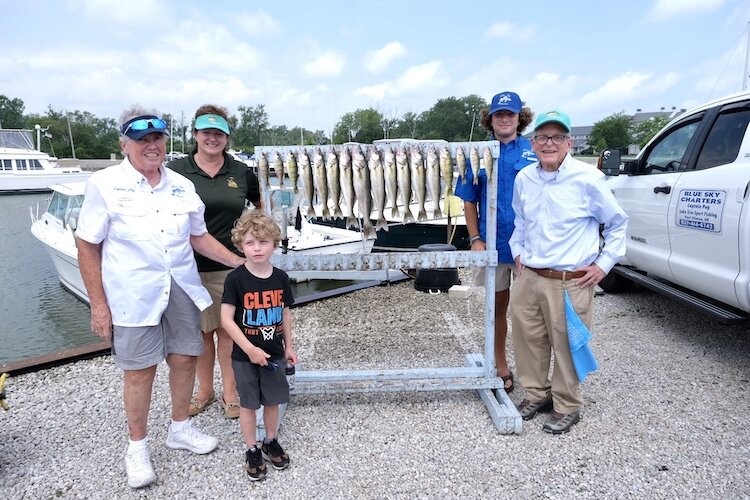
x,y
553,117
212,121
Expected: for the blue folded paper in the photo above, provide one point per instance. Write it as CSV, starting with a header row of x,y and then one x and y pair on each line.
x,y
578,338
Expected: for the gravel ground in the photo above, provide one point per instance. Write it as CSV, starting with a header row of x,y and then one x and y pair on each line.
x,y
665,417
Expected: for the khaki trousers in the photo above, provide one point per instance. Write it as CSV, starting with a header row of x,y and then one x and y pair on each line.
x,y
537,314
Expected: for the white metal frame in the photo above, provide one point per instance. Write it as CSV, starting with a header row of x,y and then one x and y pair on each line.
x,y
479,370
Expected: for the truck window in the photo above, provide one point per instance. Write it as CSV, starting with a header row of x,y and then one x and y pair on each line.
x,y
667,154
724,139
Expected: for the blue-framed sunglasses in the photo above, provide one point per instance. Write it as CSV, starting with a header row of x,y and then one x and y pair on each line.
x,y
144,124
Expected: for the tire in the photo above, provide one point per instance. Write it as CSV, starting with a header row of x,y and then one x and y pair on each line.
x,y
615,283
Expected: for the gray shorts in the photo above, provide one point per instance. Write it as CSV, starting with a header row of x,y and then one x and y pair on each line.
x,y
258,386
503,273
213,281
139,347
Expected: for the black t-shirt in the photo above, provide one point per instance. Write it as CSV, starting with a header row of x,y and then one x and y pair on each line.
x,y
225,196
259,305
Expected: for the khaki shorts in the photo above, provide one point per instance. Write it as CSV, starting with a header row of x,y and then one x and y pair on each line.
x,y
139,347
503,273
213,281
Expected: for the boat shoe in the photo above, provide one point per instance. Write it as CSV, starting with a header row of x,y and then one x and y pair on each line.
x,y
231,409
560,423
199,405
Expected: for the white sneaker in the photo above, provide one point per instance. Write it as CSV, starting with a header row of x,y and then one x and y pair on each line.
x,y
138,467
191,439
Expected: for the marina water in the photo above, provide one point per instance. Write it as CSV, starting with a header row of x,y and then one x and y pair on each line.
x,y
38,316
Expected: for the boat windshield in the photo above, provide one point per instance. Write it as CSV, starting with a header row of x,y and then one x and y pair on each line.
x,y
16,139
65,208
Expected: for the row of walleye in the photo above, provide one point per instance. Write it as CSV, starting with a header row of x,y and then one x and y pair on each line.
x,y
374,180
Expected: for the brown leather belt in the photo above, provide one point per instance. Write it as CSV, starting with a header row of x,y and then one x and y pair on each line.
x,y
558,275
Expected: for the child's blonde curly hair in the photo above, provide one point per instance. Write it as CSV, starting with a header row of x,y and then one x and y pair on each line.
x,y
257,224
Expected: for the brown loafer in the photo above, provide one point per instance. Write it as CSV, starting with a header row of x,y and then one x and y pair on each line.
x,y
231,409
199,405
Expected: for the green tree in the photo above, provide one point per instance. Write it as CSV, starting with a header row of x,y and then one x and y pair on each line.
x,y
451,119
611,132
363,125
93,137
252,127
11,112
406,127
644,131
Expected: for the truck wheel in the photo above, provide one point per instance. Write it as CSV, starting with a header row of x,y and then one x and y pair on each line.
x,y
615,283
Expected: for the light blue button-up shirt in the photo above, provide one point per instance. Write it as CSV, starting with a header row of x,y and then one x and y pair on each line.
x,y
557,219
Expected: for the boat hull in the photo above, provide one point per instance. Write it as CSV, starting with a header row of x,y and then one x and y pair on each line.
x,y
37,182
409,237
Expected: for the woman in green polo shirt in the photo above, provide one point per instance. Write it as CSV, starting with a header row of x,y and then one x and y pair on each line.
x,y
226,186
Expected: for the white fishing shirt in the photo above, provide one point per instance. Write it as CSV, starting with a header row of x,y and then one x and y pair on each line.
x,y
145,236
557,218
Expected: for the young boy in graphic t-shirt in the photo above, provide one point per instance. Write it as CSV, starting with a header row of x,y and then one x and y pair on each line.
x,y
255,313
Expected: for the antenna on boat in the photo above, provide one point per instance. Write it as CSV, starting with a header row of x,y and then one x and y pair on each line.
x,y
70,134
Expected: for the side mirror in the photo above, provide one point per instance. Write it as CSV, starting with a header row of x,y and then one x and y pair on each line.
x,y
609,162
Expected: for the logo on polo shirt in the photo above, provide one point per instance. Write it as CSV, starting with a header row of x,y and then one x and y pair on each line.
x,y
232,183
178,191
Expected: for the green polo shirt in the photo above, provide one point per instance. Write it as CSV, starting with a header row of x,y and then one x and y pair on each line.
x,y
225,196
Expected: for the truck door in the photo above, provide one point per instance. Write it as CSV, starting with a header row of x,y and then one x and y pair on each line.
x,y
646,195
705,208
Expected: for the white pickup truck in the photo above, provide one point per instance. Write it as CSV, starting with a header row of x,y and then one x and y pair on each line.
x,y
687,196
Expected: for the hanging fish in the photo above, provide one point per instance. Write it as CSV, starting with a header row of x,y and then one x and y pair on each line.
x,y
321,185
361,175
264,170
418,181
403,176
332,177
446,170
377,183
347,185
305,170
278,168
461,163
391,180
433,181
474,161
291,169
489,162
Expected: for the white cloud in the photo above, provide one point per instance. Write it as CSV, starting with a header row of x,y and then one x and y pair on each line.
x,y
326,63
116,12
378,60
510,31
258,23
418,78
616,89
664,10
198,47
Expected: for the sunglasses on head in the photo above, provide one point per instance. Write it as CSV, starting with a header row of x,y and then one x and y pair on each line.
x,y
145,124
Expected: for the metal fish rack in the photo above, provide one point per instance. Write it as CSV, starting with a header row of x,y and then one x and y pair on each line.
x,y
478,372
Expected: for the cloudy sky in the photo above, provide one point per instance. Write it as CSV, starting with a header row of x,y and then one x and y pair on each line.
x,y
311,62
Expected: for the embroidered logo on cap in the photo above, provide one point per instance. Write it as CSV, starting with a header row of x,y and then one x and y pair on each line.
x,y
504,98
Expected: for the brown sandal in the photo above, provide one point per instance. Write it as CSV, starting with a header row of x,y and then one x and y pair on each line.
x,y
506,378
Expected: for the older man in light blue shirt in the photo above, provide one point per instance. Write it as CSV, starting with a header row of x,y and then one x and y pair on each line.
x,y
560,203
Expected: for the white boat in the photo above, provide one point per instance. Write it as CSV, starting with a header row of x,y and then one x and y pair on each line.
x,y
24,169
55,227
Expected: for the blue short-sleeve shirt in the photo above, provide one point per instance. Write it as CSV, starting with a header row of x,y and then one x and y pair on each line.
x,y
512,158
